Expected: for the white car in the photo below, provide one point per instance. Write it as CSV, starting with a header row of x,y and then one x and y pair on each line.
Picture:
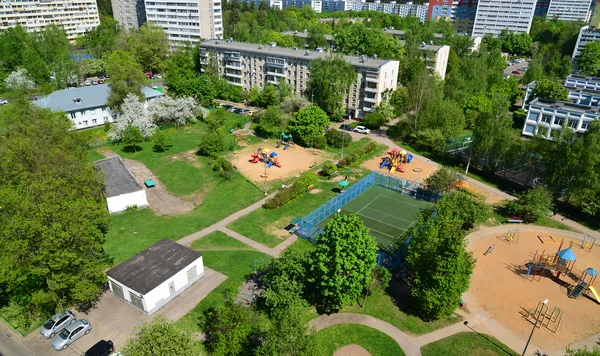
x,y
3,102
362,130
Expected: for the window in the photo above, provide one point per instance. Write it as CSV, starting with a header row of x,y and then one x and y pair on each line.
x,y
585,125
573,123
82,112
72,115
94,121
547,119
103,109
85,122
559,121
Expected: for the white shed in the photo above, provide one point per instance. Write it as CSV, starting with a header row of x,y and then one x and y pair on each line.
x,y
120,186
156,275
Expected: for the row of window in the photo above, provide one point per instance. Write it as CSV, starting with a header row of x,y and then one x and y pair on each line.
x,y
572,123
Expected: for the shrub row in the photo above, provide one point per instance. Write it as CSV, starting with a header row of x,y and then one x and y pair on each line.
x,y
356,155
297,189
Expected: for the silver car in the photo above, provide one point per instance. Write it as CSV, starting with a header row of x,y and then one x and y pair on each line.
x,y
56,323
71,333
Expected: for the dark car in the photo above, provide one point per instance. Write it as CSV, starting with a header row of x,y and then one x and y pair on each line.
x,y
516,72
345,127
102,348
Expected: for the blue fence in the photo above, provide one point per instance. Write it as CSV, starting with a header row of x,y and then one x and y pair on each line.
x,y
309,225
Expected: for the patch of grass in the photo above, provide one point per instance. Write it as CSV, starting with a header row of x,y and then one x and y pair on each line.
x,y
380,305
352,146
93,156
500,216
467,343
228,256
301,245
377,343
182,178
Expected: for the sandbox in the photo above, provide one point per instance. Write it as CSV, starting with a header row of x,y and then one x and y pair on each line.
x,y
294,160
500,286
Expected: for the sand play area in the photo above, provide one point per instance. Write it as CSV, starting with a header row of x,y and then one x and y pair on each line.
x,y
500,286
294,160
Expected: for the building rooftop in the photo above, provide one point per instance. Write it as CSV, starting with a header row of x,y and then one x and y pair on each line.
x,y
118,179
571,88
93,96
370,63
582,78
151,267
303,34
564,105
402,33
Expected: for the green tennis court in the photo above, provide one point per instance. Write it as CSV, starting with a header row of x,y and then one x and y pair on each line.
x,y
388,214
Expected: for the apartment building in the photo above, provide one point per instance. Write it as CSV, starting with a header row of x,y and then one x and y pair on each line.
x,y
250,65
188,21
75,17
460,12
545,116
493,16
570,10
131,14
582,82
587,35
577,95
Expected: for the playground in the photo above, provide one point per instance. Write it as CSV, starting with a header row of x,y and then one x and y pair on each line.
x,y
388,214
515,272
290,162
417,170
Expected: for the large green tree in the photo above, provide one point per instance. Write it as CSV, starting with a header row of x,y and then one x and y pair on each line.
x,y
161,337
357,39
440,265
341,265
284,279
308,124
50,257
548,89
287,334
532,204
150,47
329,83
588,62
126,77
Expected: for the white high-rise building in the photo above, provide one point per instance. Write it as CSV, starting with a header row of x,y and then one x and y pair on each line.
x,y
586,35
186,20
570,10
493,16
75,17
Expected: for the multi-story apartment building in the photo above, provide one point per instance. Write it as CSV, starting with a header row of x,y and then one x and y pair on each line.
x,y
250,65
460,12
587,35
186,20
131,14
577,95
582,82
493,16
33,15
545,116
570,10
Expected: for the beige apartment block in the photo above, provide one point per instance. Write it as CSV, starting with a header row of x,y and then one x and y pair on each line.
x,y
250,65
75,16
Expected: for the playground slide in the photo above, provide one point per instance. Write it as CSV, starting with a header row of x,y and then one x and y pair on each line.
x,y
256,159
383,164
270,164
595,292
393,169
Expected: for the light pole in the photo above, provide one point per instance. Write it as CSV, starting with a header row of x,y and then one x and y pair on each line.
x,y
265,176
535,325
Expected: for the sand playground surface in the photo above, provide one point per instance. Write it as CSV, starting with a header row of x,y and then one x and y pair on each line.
x,y
500,286
294,160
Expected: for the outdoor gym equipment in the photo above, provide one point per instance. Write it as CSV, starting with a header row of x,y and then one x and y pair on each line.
x,y
551,319
546,239
512,236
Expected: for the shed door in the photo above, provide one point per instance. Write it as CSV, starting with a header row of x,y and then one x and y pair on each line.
x,y
192,273
136,301
172,288
117,290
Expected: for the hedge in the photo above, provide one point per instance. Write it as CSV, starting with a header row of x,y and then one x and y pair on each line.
x,y
356,155
297,189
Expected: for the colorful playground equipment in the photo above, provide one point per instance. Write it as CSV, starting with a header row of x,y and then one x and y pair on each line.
x,y
460,185
266,156
562,261
395,160
583,286
286,140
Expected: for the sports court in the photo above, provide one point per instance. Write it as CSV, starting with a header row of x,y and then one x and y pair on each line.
x,y
388,214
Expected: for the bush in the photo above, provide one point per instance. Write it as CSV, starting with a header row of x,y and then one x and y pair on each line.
x,y
224,167
212,142
532,204
354,157
320,142
374,120
328,168
335,138
297,189
431,139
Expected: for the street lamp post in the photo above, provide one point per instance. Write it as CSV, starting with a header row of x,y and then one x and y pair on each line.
x,y
265,177
534,326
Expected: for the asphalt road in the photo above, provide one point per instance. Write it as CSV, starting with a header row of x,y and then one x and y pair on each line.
x,y
509,69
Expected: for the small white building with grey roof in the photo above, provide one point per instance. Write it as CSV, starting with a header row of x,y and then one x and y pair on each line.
x,y
153,277
121,188
87,106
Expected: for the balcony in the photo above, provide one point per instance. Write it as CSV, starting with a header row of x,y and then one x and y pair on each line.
x,y
274,82
232,58
367,109
275,62
372,78
369,100
275,74
371,90
233,75
233,66
238,84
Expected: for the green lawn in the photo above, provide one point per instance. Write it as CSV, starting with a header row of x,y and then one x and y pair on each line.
x,y
380,305
352,146
377,343
226,255
467,343
93,156
500,216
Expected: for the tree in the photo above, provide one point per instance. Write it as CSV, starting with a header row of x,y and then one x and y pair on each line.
x,y
126,78
292,104
342,262
150,47
270,122
450,119
308,124
132,113
547,89
284,279
101,40
535,72
380,277
424,94
517,43
212,142
442,180
532,204
216,119
161,337
269,96
161,143
132,137
374,120
168,110
329,83
595,351
437,257
356,38
588,62
19,81
316,37
287,335
50,257
337,139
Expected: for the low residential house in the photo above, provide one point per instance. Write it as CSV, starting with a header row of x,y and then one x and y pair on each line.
x,y
87,106
153,277
121,188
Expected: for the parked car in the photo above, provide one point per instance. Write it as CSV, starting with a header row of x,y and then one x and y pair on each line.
x,y
516,72
524,69
157,76
100,81
71,333
94,82
148,74
56,323
345,127
106,75
362,130
232,109
102,348
3,101
87,82
244,112
100,77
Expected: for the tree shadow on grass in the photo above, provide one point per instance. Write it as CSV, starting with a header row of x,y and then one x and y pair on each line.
x,y
132,149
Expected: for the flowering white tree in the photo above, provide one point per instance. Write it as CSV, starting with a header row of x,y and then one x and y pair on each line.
x,y
19,81
169,110
134,113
